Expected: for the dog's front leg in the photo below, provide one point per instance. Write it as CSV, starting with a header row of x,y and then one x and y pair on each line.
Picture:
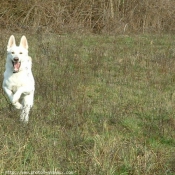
x,y
16,96
8,92
18,93
10,96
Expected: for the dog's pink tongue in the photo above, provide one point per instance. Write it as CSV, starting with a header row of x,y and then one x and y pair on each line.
x,y
16,66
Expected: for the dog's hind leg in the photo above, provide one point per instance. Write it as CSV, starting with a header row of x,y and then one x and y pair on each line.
x,y
25,114
27,104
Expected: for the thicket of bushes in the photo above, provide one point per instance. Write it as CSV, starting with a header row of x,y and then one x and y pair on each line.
x,y
99,16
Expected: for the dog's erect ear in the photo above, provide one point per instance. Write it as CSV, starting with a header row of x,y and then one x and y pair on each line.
x,y
23,42
11,42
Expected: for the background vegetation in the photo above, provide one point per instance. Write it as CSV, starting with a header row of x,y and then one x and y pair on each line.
x,y
98,16
104,104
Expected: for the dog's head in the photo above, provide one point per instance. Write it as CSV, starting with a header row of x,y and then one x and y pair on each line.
x,y
17,54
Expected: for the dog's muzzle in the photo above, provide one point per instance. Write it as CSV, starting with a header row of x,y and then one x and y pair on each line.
x,y
16,64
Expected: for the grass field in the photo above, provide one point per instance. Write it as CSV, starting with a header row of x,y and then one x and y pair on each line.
x,y
104,105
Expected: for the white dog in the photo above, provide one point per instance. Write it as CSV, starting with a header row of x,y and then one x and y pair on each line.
x,y
19,84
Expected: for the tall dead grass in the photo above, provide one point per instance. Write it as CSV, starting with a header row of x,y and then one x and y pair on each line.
x,y
97,16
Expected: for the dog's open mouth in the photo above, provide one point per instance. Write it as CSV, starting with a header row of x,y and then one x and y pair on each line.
x,y
16,66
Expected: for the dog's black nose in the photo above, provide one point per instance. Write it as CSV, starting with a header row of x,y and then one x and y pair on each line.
x,y
16,59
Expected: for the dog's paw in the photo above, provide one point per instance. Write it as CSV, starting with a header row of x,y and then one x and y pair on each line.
x,y
15,98
17,105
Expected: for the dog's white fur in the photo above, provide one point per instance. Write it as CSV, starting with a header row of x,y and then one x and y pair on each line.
x,y
18,83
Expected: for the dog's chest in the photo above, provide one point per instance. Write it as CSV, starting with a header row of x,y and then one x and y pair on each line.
x,y
17,80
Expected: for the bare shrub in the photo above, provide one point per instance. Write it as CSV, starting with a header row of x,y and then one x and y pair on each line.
x,y
117,16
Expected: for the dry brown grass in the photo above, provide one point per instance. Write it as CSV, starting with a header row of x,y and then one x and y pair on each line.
x,y
99,16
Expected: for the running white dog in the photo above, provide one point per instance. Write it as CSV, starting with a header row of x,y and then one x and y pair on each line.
x,y
19,84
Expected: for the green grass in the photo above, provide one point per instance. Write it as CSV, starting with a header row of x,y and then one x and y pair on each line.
x,y
103,105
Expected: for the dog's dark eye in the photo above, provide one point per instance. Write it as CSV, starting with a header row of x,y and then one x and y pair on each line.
x,y
20,52
13,52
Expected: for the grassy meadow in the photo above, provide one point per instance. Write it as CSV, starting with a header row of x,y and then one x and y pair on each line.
x,y
104,105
